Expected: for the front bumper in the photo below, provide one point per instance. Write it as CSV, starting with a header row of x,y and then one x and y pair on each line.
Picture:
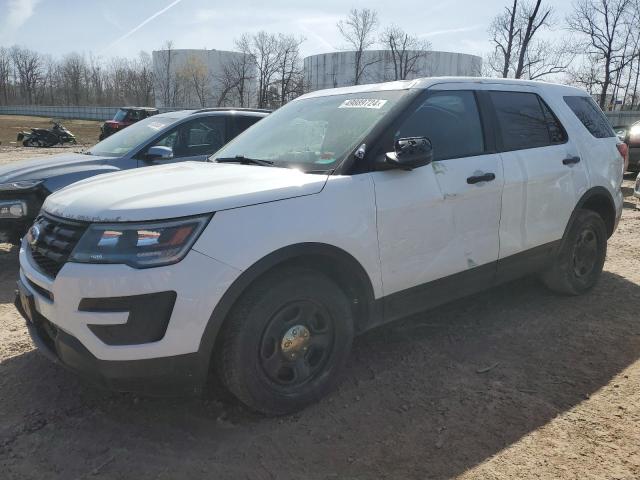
x,y
14,224
172,363
179,375
12,230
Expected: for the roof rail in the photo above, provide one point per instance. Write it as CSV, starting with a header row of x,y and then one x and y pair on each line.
x,y
240,109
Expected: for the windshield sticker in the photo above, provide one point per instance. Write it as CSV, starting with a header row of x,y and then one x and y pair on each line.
x,y
363,103
156,126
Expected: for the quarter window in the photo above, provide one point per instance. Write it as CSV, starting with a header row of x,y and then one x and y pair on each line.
x,y
588,112
450,119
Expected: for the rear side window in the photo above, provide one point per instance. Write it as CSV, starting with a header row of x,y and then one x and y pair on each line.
x,y
591,116
451,121
525,121
557,133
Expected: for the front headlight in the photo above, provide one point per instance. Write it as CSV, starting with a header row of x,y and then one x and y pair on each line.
x,y
20,185
140,245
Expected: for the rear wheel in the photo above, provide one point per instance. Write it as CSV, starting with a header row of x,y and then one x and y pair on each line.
x,y
581,258
286,341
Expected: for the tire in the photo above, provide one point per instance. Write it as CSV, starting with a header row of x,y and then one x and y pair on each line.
x,y
285,341
579,263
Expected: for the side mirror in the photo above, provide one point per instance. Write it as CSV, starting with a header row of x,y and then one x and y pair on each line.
x,y
159,153
410,153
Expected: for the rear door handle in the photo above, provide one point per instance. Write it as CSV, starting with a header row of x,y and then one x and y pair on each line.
x,y
571,160
486,177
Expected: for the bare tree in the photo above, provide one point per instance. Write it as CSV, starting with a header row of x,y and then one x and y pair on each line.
x,y
73,68
518,51
289,66
265,49
505,33
534,18
602,24
166,77
28,66
546,58
587,76
242,70
358,30
141,75
198,79
5,72
406,51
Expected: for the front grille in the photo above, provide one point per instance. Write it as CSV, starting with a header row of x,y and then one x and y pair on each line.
x,y
54,242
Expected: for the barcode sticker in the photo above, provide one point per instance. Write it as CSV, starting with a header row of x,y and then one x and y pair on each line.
x,y
363,103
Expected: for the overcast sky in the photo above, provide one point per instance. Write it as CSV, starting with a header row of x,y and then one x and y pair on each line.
x,y
124,27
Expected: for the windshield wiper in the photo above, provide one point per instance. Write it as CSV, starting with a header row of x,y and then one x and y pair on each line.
x,y
245,161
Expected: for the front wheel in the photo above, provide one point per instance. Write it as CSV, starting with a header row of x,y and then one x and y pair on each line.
x,y
285,341
581,258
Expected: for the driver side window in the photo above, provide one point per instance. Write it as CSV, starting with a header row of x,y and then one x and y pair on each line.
x,y
451,120
200,136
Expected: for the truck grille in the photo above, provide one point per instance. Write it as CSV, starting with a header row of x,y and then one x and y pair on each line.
x,y
51,241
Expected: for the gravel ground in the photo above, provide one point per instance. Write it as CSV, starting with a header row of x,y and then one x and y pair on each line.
x,y
514,383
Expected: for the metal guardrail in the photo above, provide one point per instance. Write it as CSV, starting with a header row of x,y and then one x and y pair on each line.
x,y
75,112
623,118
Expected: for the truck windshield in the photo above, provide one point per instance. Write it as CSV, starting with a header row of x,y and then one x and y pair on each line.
x,y
123,141
120,115
313,134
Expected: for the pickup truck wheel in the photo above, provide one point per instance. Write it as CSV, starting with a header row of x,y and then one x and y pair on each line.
x,y
285,341
581,257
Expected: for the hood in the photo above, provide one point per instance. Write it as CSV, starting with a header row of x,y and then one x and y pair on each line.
x,y
178,190
46,167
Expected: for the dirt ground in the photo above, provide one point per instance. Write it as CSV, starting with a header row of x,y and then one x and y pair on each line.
x,y
512,383
86,131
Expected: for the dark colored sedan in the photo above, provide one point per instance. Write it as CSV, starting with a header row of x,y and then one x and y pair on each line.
x,y
164,138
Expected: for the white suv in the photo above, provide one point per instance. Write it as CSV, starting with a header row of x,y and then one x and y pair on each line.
x,y
343,210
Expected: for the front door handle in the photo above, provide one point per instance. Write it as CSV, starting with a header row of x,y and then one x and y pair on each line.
x,y
571,160
486,177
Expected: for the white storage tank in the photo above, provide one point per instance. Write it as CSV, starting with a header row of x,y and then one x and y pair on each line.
x,y
337,69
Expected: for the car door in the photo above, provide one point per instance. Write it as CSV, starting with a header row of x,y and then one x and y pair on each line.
x,y
543,173
193,140
438,224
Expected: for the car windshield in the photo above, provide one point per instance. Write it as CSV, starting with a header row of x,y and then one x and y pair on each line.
x,y
313,134
120,115
123,141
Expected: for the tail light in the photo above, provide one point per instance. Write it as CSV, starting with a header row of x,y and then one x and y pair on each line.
x,y
623,148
